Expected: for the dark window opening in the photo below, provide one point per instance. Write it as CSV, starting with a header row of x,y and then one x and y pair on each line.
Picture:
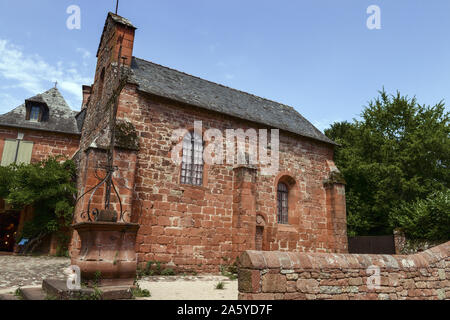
x,y
8,230
259,238
282,198
35,113
101,83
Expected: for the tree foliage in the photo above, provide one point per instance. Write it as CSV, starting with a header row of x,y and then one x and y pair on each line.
x,y
392,159
426,218
48,187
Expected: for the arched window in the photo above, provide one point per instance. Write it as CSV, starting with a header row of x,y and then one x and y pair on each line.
x,y
192,163
282,197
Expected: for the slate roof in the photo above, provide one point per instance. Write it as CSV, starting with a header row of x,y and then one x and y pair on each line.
x,y
162,81
61,117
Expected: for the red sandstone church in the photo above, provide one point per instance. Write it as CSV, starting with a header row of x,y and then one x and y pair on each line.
x,y
193,215
43,126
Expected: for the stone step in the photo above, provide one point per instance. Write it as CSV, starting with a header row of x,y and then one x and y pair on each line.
x,y
33,294
57,289
8,296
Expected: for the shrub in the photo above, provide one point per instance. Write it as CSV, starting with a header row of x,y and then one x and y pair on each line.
x,y
425,219
168,272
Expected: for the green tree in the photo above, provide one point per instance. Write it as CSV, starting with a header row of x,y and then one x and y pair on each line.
x,y
396,155
49,187
426,218
6,174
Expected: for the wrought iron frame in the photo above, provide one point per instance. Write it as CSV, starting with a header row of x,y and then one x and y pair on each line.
x,y
109,182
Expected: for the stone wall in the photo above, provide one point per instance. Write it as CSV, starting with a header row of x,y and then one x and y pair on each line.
x,y
310,276
202,227
45,143
117,41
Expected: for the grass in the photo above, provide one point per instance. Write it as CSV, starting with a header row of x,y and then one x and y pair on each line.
x,y
96,295
97,277
168,272
18,293
155,268
140,293
220,286
228,272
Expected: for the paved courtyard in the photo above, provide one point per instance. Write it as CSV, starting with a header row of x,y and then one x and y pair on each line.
x,y
26,271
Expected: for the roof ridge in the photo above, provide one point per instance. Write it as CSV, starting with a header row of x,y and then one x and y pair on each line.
x,y
56,90
47,91
119,19
218,84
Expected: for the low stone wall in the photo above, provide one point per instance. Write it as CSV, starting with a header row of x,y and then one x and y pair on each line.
x,y
266,275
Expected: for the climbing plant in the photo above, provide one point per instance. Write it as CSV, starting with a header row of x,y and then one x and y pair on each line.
x,y
47,186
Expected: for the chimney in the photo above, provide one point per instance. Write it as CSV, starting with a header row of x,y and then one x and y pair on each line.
x,y
116,44
115,49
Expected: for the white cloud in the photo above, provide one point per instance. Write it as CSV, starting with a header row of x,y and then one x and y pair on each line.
x,y
84,53
8,102
33,74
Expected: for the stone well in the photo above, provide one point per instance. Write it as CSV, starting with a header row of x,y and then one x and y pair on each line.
x,y
108,250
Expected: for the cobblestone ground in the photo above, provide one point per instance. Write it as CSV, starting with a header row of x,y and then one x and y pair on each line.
x,y
22,271
27,271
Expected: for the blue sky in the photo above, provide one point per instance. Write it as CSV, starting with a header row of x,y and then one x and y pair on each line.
x,y
317,56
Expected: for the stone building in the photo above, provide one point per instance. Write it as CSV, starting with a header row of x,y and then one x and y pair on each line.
x,y
41,127
195,215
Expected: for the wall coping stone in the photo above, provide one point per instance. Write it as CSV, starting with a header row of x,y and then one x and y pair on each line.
x,y
251,259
